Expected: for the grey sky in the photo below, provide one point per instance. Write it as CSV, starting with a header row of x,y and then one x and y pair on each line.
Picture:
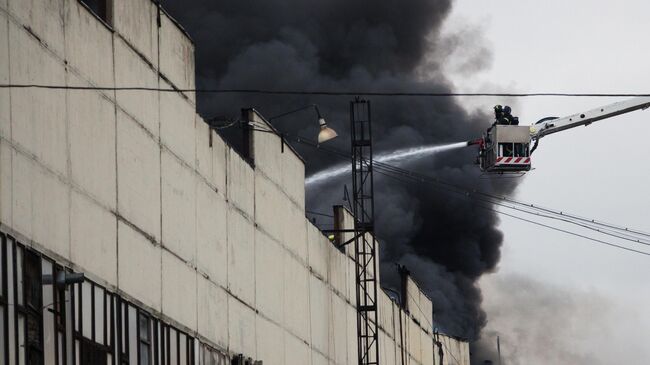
x,y
601,171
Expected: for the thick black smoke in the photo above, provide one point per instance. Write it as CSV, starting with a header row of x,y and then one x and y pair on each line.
x,y
445,240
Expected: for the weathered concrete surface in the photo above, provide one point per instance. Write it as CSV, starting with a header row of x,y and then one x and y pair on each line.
x,y
140,266
88,45
91,123
212,311
138,176
130,70
176,55
269,277
93,238
178,190
179,299
211,233
241,256
135,20
44,18
38,121
183,224
271,342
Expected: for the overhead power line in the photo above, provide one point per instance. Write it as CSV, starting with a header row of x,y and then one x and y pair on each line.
x,y
409,176
322,92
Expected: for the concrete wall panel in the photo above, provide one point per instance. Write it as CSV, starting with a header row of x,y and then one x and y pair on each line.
x,y
203,149
293,177
414,345
212,312
426,343
132,70
38,116
270,343
267,150
6,194
44,17
268,202
318,359
320,312
296,297
218,163
241,183
5,122
88,45
93,238
91,121
135,20
296,351
350,282
294,229
178,207
177,126
21,189
179,295
385,313
138,173
427,312
241,328
338,339
176,55
318,250
211,233
50,211
139,269
269,277
413,300
387,350
241,256
352,346
337,267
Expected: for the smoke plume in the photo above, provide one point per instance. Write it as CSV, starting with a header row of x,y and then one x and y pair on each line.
x,y
445,240
540,323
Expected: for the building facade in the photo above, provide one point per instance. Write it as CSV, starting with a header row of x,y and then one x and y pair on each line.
x,y
191,252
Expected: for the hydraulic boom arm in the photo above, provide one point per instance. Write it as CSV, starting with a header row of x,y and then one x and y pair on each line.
x,y
556,125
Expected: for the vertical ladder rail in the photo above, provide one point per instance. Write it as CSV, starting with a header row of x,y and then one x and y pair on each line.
x,y
365,246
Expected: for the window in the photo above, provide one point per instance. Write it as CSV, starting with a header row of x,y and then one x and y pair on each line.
x,y
30,313
210,356
92,336
144,337
101,8
92,353
521,149
506,149
4,336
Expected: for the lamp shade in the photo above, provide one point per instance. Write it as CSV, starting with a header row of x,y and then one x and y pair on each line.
x,y
326,133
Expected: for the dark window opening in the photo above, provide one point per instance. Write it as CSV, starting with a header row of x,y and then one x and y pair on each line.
x,y
92,353
144,333
99,7
506,150
32,309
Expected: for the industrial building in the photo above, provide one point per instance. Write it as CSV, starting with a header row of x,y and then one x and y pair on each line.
x,y
192,253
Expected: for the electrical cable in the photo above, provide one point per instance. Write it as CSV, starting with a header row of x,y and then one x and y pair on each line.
x,y
387,170
569,218
322,92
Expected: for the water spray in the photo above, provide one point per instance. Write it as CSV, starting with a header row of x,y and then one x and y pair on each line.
x,y
398,156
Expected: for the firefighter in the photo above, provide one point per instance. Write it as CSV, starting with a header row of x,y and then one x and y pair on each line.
x,y
498,113
507,116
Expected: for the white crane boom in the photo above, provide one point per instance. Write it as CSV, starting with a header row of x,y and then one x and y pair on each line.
x,y
556,125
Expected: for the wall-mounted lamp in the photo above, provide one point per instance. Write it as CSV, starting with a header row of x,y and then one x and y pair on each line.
x,y
325,134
